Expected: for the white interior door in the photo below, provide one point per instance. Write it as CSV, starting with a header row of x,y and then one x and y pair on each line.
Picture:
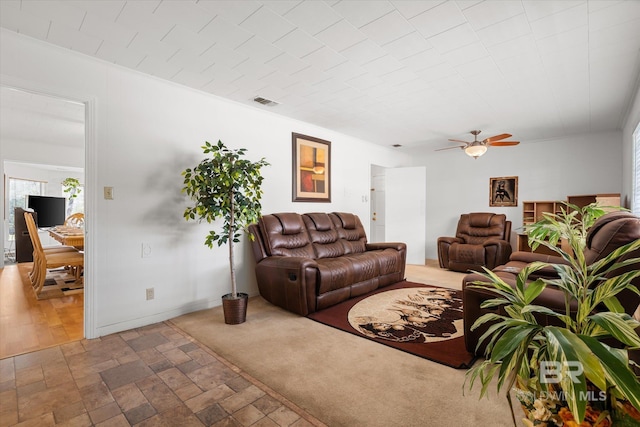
x,y
405,213
377,208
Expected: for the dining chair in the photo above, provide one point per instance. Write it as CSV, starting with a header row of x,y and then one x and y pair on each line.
x,y
46,260
49,249
75,220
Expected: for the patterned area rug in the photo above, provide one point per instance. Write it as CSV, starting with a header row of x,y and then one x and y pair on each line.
x,y
59,284
420,319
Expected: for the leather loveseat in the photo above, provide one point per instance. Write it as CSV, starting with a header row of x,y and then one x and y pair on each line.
x,y
608,233
307,262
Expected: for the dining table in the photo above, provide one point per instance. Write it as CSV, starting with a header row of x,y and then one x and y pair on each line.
x,y
68,236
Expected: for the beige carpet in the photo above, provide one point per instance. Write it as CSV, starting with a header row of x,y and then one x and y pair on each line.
x,y
342,379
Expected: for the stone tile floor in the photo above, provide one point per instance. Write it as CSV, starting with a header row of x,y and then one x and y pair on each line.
x,y
151,376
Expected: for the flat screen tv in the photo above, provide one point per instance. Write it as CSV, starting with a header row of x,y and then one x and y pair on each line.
x,y
50,210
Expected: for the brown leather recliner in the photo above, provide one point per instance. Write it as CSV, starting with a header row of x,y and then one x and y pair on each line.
x,y
608,233
482,240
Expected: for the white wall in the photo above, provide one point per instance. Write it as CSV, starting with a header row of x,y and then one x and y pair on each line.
x,y
546,170
630,125
146,132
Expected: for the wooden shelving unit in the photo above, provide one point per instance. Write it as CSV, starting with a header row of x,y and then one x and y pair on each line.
x,y
609,199
532,211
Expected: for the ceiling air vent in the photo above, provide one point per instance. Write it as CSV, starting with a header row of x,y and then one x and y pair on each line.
x,y
265,101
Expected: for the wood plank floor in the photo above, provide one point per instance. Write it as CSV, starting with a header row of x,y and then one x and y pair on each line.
x,y
27,324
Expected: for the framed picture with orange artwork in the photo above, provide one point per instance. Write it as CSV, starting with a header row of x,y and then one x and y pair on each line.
x,y
311,169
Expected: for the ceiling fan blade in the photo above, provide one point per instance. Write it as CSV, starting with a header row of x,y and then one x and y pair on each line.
x,y
497,137
459,140
504,143
449,148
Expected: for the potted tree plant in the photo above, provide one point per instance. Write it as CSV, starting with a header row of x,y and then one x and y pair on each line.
x,y
225,185
520,349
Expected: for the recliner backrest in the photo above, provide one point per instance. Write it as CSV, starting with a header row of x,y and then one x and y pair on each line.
x,y
609,232
284,234
477,227
323,235
350,231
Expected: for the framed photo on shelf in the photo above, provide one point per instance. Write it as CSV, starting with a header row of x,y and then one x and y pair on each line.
x,y
503,191
311,169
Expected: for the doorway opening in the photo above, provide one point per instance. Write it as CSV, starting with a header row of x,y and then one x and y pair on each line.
x,y
43,145
398,208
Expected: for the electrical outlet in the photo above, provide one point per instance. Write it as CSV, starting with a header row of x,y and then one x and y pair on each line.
x,y
145,251
150,294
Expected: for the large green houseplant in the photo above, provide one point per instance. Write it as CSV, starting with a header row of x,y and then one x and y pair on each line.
x,y
518,346
225,185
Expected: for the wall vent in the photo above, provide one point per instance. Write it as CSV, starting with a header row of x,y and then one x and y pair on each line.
x,y
265,101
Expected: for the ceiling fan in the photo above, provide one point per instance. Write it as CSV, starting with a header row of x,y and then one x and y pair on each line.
x,y
477,148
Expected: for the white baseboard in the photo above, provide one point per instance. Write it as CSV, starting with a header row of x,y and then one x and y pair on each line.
x,y
158,317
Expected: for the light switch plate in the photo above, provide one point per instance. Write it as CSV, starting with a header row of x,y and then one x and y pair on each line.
x,y
108,193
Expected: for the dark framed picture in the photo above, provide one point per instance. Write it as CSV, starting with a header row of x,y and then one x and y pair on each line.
x,y
503,191
311,169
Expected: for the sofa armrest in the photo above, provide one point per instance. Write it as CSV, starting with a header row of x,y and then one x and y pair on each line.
x,y
386,245
444,243
288,282
547,272
449,240
529,257
257,244
496,252
289,262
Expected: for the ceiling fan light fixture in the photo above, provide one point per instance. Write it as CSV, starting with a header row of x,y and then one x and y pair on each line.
x,y
475,150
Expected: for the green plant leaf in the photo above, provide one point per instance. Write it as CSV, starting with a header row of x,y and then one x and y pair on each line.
x,y
618,373
509,341
546,310
618,327
495,302
613,304
561,350
533,290
593,370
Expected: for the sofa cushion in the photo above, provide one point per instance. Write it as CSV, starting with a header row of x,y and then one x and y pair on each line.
x,y
320,221
323,235
476,227
334,273
284,234
365,265
350,231
466,254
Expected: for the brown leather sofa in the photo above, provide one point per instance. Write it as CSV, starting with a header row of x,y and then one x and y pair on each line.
x,y
307,262
482,240
608,233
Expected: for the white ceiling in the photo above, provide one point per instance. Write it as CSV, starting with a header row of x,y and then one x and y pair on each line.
x,y
391,72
